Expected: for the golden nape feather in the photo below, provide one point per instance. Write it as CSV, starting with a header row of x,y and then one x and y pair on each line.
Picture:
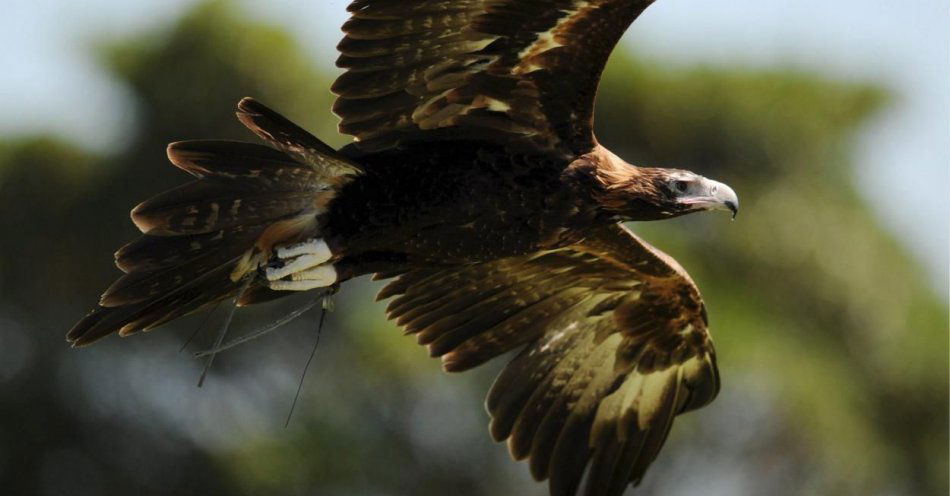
x,y
202,239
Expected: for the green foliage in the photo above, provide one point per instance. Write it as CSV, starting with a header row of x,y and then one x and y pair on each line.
x,y
186,77
831,344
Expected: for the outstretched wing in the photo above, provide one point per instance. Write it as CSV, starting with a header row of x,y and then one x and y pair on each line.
x,y
507,69
616,347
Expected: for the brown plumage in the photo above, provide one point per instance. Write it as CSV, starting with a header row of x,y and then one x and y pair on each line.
x,y
477,186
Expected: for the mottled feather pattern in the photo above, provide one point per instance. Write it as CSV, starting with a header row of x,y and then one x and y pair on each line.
x,y
324,162
150,252
547,54
402,9
616,347
195,292
201,207
139,286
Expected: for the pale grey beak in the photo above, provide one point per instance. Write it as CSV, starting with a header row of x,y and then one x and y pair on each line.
x,y
716,196
726,196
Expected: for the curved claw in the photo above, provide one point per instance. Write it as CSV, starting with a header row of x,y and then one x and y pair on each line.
x,y
317,277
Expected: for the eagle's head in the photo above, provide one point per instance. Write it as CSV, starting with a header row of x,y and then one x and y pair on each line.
x,y
649,193
675,192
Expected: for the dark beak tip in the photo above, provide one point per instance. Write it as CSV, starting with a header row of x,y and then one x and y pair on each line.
x,y
733,207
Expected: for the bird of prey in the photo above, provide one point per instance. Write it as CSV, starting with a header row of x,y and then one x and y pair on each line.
x,y
476,186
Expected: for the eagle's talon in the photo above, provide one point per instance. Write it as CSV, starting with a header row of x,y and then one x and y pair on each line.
x,y
315,246
299,264
321,276
295,258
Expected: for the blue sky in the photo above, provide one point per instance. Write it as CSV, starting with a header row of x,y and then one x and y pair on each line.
x,y
903,157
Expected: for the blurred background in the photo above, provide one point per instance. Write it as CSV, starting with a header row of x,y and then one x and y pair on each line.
x,y
827,296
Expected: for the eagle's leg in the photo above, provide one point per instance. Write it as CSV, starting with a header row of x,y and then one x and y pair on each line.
x,y
301,267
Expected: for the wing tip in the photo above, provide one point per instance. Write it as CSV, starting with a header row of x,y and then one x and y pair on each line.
x,y
249,105
141,218
258,118
185,155
89,329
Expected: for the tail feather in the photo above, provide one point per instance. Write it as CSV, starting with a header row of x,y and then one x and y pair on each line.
x,y
236,161
293,140
203,240
126,319
149,253
141,285
216,286
203,206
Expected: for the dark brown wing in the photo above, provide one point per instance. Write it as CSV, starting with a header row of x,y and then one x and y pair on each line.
x,y
616,347
508,69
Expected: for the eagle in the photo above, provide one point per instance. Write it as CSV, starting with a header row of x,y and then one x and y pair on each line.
x,y
476,187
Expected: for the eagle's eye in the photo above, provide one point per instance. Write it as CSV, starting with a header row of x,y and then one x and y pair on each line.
x,y
680,186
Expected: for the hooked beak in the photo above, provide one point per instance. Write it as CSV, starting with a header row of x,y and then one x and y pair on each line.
x,y
717,196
